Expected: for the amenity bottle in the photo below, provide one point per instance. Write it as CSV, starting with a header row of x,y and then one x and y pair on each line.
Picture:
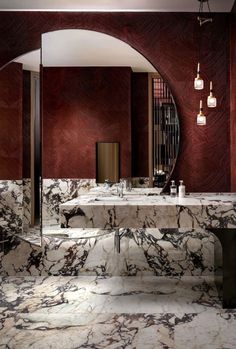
x,y
181,189
173,189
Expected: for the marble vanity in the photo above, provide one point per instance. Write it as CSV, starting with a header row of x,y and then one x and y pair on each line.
x,y
146,209
149,210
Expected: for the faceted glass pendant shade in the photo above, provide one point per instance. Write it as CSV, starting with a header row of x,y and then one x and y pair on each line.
x,y
211,99
198,81
201,118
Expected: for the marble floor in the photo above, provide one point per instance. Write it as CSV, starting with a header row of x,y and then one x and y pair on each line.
x,y
116,312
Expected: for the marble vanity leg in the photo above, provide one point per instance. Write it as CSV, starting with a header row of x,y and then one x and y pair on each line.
x,y
227,238
117,241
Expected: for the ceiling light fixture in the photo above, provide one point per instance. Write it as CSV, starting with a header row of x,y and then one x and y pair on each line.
x,y
198,81
201,118
211,99
202,20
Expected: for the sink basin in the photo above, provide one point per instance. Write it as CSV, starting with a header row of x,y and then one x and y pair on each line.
x,y
109,198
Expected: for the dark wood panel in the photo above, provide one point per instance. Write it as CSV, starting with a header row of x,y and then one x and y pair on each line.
x,y
170,42
233,98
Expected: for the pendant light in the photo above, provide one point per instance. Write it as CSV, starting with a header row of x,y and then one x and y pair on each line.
x,y
198,81
211,99
202,20
201,118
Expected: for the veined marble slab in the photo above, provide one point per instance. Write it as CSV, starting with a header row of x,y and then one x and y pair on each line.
x,y
150,211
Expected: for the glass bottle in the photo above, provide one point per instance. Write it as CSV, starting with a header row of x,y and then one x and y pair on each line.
x,y
173,189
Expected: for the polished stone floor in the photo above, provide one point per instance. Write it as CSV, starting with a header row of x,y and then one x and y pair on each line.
x,y
117,312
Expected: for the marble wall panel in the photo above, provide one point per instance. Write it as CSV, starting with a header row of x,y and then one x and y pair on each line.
x,y
11,210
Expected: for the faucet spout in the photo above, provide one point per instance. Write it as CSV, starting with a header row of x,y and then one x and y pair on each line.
x,y
120,189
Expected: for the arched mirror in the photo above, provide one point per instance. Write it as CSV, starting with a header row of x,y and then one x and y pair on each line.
x,y
94,89
100,93
19,150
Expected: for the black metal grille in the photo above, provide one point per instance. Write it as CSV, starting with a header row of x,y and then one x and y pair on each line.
x,y
166,129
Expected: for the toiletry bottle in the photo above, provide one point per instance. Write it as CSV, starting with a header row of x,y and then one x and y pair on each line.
x,y
181,189
173,189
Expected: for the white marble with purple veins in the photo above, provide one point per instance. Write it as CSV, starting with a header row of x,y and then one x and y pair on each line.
x,y
11,211
149,211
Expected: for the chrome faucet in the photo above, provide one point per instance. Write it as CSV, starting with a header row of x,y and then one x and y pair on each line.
x,y
120,188
107,184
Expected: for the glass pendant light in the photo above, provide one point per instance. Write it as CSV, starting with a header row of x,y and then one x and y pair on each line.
x,y
211,99
201,118
198,81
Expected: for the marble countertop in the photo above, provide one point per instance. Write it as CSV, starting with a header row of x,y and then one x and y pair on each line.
x,y
149,210
150,198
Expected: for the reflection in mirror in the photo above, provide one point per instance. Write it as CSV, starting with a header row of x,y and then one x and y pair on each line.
x,y
165,132
96,89
19,110
107,158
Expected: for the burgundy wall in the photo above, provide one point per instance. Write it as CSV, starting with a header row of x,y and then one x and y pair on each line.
x,y
11,82
139,124
233,98
170,42
82,106
26,123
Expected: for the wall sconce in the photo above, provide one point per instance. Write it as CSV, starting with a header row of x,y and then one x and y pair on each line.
x,y
198,81
211,99
201,118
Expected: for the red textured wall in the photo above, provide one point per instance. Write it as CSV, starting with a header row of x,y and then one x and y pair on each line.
x,y
11,82
139,124
26,123
170,42
233,98
82,106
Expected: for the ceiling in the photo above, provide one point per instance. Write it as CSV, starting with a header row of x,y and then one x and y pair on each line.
x,y
84,48
114,5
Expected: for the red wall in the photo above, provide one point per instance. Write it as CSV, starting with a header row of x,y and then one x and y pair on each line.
x,y
11,83
170,41
233,98
82,106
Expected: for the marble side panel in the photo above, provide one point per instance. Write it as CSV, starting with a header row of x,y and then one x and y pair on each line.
x,y
66,256
21,258
11,210
56,191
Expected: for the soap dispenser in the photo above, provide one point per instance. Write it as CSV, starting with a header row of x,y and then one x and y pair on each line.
x,y
181,189
173,189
